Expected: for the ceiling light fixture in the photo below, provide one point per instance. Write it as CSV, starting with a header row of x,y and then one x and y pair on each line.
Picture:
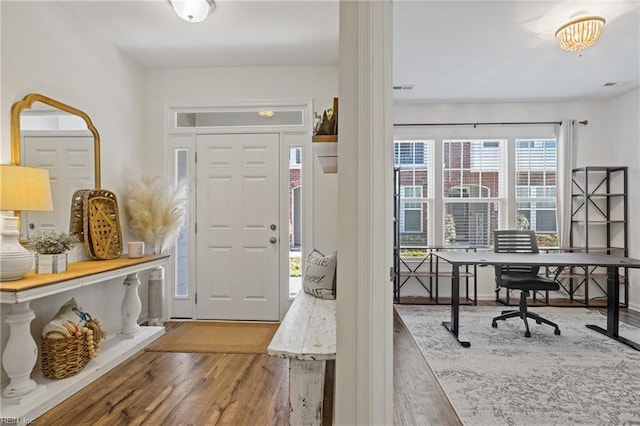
x,y
266,113
580,32
193,10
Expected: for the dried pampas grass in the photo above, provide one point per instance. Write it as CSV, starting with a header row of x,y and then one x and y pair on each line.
x,y
155,212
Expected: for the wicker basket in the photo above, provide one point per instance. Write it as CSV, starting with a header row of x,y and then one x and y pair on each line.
x,y
102,233
65,357
76,221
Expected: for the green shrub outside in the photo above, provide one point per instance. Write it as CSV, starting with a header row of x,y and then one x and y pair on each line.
x,y
295,266
547,240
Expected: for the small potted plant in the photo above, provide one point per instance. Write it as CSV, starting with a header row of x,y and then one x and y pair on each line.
x,y
51,251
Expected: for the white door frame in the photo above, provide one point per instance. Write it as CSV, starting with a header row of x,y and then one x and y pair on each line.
x,y
290,136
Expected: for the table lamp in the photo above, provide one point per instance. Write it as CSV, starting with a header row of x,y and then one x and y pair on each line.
x,y
23,189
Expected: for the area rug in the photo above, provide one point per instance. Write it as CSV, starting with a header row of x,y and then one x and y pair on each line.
x,y
216,337
580,377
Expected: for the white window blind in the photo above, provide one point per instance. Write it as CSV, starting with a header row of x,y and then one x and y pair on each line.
x,y
473,190
413,158
536,174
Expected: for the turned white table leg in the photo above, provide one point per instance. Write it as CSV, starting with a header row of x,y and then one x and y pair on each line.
x,y
306,390
131,305
21,353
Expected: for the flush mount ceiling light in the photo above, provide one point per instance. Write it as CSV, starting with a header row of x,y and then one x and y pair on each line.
x,y
580,32
266,113
193,10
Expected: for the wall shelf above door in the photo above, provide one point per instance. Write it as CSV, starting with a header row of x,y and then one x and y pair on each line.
x,y
326,149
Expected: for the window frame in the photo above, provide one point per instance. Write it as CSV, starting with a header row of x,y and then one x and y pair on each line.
x,y
419,172
436,135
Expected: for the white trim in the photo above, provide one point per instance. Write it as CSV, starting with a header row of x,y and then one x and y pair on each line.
x,y
364,306
174,306
186,137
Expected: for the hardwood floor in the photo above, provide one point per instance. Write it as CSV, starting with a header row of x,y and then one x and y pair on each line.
x,y
169,388
418,399
158,388
155,388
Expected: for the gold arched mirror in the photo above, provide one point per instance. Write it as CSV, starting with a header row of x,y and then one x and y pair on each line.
x,y
49,134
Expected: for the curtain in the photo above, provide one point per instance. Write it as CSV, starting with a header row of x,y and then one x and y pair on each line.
x,y
566,163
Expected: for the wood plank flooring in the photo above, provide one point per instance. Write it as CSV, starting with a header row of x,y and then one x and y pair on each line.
x,y
157,388
418,399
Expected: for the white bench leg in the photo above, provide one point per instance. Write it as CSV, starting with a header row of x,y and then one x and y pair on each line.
x,y
306,390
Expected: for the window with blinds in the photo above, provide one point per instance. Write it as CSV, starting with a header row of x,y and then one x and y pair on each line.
x,y
413,158
536,173
478,178
473,191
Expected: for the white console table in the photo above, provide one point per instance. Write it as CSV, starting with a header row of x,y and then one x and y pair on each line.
x,y
28,397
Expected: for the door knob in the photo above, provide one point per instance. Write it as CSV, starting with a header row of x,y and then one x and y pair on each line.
x,y
273,240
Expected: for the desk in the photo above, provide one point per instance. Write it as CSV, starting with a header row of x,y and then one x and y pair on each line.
x,y
612,263
21,353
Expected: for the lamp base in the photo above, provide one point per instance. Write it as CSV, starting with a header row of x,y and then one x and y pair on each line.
x,y
15,260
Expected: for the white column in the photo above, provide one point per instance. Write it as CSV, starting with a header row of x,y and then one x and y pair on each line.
x,y
156,291
364,306
21,353
131,305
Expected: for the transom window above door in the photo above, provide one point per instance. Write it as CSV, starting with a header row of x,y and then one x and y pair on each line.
x,y
253,117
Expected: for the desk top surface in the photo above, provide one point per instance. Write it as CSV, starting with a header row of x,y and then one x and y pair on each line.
x,y
74,270
539,259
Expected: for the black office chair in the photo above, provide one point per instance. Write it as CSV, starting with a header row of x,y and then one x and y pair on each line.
x,y
523,278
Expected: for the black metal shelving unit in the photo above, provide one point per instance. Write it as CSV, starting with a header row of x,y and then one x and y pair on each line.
x,y
599,223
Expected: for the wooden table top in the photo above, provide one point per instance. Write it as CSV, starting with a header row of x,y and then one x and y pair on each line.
x,y
74,270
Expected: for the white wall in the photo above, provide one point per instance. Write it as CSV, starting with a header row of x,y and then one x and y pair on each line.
x,y
610,139
220,86
623,144
47,52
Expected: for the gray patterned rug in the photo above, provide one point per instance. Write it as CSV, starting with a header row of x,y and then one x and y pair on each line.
x,y
580,377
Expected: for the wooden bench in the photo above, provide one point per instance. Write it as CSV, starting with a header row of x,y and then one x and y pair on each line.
x,y
307,338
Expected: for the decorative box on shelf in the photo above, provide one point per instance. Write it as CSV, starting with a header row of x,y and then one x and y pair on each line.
x,y
51,263
326,148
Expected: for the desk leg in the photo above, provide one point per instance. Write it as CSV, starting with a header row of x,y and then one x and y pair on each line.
x,y
306,391
21,353
453,326
613,310
131,305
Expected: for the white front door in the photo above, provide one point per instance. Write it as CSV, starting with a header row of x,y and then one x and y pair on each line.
x,y
237,199
70,162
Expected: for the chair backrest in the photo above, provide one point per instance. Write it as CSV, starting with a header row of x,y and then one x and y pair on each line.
x,y
516,241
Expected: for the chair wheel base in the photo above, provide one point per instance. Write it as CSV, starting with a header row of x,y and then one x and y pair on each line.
x,y
527,334
556,332
538,322
494,324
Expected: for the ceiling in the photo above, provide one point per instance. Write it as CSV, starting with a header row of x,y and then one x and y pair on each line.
x,y
448,51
